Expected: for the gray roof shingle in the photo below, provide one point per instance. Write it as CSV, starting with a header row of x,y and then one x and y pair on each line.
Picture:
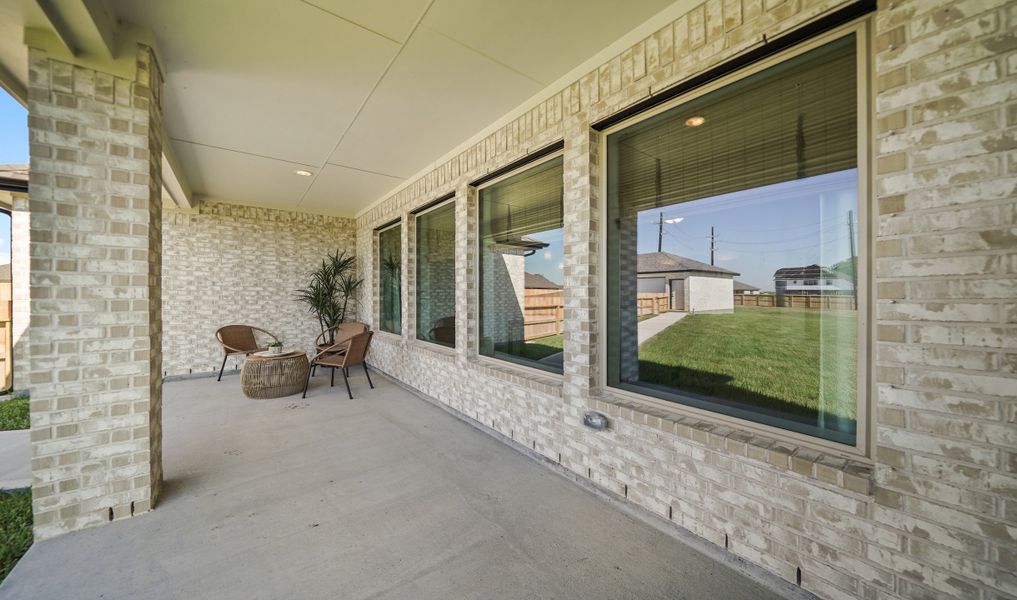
x,y
665,262
536,281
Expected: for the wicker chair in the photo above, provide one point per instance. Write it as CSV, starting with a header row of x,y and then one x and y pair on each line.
x,y
342,356
339,334
238,340
443,331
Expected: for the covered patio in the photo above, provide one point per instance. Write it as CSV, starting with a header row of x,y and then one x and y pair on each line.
x,y
384,496
197,165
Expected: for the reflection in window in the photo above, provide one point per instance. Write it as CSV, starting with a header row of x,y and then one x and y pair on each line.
x,y
521,253
436,275
732,248
390,247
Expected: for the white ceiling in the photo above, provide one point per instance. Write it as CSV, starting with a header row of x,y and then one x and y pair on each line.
x,y
362,93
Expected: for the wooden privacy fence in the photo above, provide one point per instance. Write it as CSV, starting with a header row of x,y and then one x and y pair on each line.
x,y
544,310
797,301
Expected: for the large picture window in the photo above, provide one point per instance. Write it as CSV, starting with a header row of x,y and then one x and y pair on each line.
x,y
436,275
733,247
521,253
390,250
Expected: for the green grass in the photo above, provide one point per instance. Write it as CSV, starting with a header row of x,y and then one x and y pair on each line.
x,y
15,528
791,360
14,414
534,349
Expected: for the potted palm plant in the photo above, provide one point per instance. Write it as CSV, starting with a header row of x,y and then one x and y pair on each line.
x,y
392,267
332,289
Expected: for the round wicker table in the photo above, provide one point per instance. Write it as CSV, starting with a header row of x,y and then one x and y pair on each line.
x,y
273,376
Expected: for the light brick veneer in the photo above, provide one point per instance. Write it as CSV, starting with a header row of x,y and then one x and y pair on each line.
x,y
239,264
933,514
94,373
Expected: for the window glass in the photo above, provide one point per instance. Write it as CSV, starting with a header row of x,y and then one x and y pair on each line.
x,y
753,185
521,254
436,275
390,249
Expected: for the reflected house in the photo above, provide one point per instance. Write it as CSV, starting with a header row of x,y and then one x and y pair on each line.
x,y
520,215
536,281
740,287
690,285
812,280
506,279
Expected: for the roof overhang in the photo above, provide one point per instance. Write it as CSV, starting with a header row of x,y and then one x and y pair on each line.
x,y
87,33
365,96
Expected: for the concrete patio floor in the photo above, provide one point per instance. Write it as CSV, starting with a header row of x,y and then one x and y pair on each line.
x,y
15,459
384,496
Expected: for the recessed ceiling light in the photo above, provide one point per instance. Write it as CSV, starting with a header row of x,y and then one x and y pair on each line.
x,y
695,121
303,173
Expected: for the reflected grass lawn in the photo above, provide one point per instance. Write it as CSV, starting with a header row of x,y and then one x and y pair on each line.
x,y
534,349
15,528
14,414
791,360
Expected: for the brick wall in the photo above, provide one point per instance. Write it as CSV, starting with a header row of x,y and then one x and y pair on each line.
x,y
933,513
93,375
239,264
945,276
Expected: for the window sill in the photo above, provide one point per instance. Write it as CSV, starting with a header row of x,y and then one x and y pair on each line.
x,y
533,379
388,336
851,474
443,351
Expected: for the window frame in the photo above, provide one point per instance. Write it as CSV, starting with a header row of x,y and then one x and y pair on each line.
x,y
377,246
864,446
413,335
521,366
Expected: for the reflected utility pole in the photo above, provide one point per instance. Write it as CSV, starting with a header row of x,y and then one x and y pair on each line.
x,y
713,244
660,233
660,229
853,263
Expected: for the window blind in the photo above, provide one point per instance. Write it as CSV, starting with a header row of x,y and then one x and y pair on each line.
x,y
794,120
527,203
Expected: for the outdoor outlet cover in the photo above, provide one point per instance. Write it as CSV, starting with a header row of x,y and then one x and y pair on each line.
x,y
595,420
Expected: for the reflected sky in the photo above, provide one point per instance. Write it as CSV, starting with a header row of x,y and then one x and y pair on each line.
x,y
790,224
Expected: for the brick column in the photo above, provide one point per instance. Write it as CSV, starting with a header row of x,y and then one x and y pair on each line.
x,y
467,319
582,254
946,322
95,360
407,301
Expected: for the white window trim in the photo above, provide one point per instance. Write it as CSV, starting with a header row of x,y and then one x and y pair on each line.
x,y
864,446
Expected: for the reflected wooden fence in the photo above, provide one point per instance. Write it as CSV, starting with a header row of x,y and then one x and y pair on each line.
x,y
796,301
649,303
6,331
544,311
